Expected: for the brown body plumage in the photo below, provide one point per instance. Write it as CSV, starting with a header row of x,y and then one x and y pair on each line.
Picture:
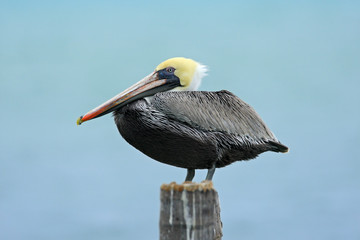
x,y
196,129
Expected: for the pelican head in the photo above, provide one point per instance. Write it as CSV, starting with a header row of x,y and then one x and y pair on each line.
x,y
187,70
174,74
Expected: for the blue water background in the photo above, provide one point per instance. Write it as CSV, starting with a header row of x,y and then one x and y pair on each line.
x,y
296,63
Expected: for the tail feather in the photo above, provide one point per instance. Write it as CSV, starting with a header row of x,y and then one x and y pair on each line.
x,y
278,147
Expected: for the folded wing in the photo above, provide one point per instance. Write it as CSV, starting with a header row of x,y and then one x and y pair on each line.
x,y
219,111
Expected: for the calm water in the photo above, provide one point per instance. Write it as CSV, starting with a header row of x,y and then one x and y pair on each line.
x,y
297,64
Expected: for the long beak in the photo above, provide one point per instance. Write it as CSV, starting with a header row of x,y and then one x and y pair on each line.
x,y
148,86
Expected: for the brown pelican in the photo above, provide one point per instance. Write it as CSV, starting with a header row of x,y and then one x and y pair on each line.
x,y
165,118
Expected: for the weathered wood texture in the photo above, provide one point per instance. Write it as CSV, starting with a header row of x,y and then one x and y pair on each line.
x,y
189,211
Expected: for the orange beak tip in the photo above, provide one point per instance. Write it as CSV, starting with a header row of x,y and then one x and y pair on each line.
x,y
79,120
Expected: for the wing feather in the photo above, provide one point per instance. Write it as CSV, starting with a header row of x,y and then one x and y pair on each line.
x,y
219,111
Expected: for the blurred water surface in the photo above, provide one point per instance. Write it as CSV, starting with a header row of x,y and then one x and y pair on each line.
x,y
297,64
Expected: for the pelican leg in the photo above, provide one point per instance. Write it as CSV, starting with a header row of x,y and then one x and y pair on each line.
x,y
190,175
210,173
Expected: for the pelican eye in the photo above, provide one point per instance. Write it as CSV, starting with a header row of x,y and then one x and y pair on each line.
x,y
170,69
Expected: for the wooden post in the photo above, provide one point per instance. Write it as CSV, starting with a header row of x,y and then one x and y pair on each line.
x,y
189,211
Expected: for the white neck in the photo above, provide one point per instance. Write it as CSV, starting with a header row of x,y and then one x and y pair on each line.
x,y
199,73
